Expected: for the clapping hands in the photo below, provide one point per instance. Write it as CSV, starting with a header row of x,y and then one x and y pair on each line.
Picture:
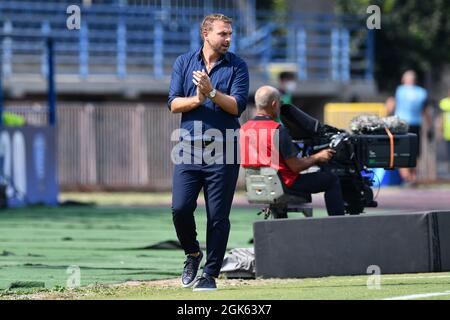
x,y
202,81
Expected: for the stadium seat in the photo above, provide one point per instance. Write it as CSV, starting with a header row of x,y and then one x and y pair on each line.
x,y
263,186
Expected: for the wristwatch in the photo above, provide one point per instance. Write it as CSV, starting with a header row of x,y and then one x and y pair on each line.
x,y
212,94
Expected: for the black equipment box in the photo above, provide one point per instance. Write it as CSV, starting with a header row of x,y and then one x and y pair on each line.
x,y
347,245
374,151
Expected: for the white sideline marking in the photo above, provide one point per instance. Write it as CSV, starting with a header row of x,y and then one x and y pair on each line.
x,y
413,277
403,278
418,296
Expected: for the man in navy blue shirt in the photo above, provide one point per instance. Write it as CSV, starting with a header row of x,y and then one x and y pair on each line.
x,y
209,87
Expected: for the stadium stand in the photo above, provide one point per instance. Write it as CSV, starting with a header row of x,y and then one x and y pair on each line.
x,y
126,43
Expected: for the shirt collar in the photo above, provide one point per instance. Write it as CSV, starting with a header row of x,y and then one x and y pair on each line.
x,y
262,117
225,56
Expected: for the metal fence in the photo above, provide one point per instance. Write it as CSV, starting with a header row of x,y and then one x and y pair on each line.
x,y
127,145
112,145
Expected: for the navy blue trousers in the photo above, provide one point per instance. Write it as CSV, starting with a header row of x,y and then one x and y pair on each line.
x,y
219,183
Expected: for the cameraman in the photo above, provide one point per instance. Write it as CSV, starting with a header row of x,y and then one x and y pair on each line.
x,y
288,165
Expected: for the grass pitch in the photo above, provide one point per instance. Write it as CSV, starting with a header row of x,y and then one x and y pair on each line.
x,y
107,244
38,245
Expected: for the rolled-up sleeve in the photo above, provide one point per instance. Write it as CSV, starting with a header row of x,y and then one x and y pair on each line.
x,y
286,147
176,82
240,87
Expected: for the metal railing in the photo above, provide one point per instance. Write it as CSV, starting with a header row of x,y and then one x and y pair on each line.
x,y
125,41
46,44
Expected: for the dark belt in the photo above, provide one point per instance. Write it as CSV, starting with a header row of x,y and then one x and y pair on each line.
x,y
205,143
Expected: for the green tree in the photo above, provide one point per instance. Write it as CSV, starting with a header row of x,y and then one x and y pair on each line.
x,y
414,34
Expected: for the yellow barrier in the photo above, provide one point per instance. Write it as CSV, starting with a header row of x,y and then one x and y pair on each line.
x,y
339,115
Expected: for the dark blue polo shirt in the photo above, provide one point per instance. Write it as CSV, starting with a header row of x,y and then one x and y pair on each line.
x,y
229,76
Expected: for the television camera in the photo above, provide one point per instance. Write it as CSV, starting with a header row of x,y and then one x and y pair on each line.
x,y
373,143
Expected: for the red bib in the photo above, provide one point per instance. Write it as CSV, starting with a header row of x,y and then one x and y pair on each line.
x,y
258,148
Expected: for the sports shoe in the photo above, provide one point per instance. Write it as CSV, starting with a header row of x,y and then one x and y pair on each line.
x,y
189,276
205,283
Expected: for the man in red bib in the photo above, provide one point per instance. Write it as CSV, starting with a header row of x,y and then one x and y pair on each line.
x,y
265,142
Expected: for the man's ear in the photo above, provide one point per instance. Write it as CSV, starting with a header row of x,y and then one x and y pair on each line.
x,y
204,34
274,105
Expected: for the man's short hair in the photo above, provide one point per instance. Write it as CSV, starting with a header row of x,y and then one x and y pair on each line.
x,y
208,21
409,74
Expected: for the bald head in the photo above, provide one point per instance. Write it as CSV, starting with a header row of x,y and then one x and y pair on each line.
x,y
265,96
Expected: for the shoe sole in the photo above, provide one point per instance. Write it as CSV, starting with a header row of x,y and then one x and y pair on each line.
x,y
190,284
204,289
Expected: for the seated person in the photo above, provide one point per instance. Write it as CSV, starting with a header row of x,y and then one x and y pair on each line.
x,y
265,142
